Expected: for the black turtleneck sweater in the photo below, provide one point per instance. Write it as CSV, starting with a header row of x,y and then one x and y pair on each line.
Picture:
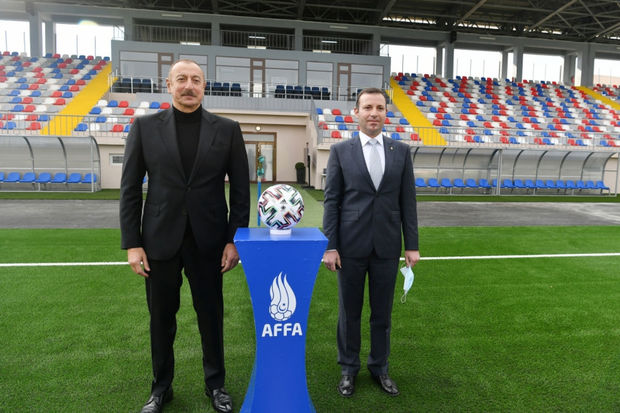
x,y
188,134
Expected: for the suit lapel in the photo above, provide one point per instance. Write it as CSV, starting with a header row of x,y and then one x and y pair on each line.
x,y
168,134
388,147
207,135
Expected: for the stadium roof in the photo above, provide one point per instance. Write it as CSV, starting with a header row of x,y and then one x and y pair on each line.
x,y
574,20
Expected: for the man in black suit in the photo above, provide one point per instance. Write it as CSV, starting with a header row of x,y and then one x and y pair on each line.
x,y
187,153
369,199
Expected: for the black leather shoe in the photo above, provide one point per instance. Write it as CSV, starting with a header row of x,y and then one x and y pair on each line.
x,y
220,400
387,384
346,386
155,403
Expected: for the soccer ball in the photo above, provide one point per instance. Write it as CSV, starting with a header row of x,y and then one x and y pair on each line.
x,y
280,207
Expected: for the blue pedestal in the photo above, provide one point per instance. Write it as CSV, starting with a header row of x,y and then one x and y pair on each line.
x,y
280,271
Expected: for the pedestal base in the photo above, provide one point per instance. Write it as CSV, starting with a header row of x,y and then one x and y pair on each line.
x,y
280,271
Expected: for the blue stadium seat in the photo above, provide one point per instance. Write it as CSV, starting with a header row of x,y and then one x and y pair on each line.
x,y
419,183
44,178
28,178
458,183
89,178
433,183
484,183
81,127
13,177
601,185
550,183
74,178
446,183
395,136
518,183
59,178
471,183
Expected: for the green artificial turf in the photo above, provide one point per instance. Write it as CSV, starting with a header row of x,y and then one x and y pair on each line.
x,y
518,335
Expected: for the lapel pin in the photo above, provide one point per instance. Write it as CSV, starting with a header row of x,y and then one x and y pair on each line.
x,y
391,148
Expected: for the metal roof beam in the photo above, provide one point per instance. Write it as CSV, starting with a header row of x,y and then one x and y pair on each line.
x,y
386,8
567,5
470,12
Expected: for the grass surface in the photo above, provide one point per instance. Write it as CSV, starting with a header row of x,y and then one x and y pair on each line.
x,y
474,335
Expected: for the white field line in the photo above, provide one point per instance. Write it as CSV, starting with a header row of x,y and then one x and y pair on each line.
x,y
470,257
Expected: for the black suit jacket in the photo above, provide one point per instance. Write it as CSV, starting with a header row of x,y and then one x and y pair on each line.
x,y
358,218
172,199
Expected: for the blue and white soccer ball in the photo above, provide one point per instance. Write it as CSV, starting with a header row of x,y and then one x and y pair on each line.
x,y
280,207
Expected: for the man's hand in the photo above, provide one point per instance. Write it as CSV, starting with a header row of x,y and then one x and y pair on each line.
x,y
331,259
230,257
412,257
138,261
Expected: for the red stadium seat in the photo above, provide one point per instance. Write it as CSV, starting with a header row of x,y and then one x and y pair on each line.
x,y
336,134
117,128
130,112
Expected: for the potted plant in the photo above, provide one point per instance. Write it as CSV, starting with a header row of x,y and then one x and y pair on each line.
x,y
301,172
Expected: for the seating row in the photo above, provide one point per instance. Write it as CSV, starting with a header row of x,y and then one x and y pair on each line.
x,y
507,183
47,178
397,136
302,92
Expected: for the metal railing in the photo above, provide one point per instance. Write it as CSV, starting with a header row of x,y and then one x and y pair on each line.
x,y
236,38
338,45
171,34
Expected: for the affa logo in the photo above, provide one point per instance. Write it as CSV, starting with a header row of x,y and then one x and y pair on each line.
x,y
281,308
283,301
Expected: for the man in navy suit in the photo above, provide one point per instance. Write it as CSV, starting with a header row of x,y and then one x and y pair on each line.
x,y
369,201
185,223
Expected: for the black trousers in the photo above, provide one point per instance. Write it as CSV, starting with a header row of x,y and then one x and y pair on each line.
x,y
163,299
381,280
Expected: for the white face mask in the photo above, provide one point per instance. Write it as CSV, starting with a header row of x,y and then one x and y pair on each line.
x,y
408,274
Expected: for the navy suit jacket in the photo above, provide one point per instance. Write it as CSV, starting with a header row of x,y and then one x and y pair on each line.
x,y
358,218
172,198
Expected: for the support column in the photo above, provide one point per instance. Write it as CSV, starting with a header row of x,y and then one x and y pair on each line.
x,y
216,34
50,37
439,60
505,64
517,62
568,75
36,37
299,38
376,45
129,28
585,65
448,64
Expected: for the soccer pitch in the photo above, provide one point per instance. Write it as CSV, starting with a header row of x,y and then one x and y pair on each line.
x,y
521,335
